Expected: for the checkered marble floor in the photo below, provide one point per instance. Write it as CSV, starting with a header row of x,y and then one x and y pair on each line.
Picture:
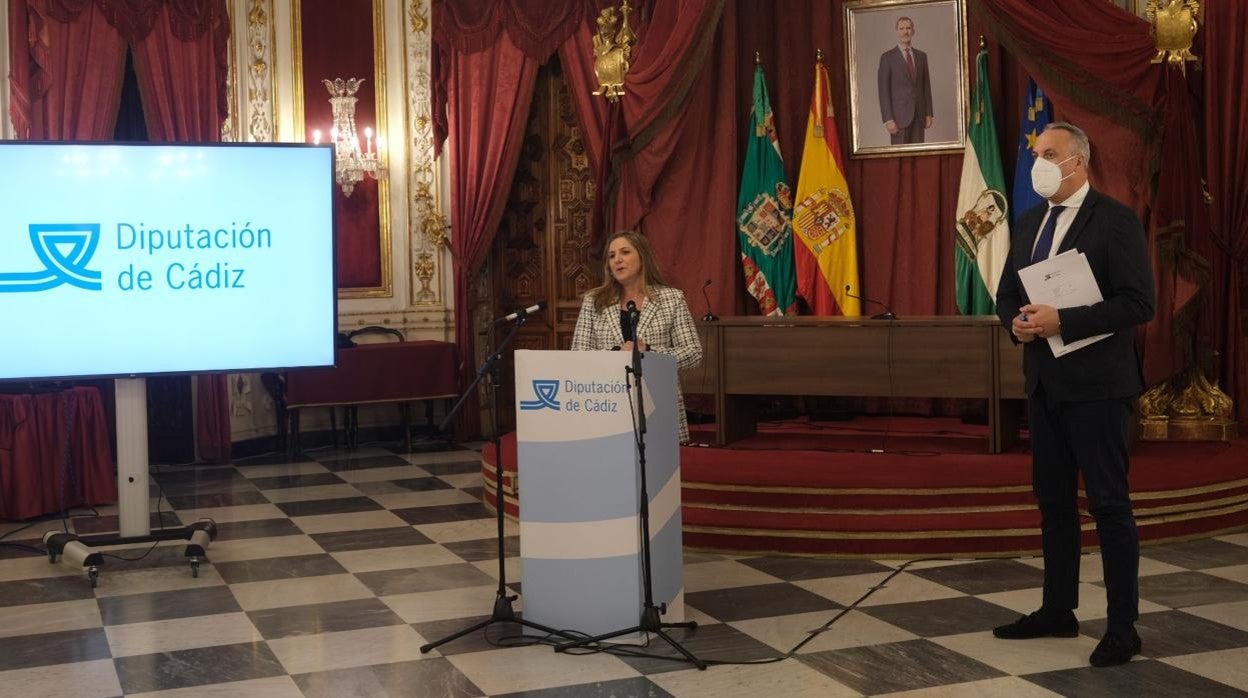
x,y
328,575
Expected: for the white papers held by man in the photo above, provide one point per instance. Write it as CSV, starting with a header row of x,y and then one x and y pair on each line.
x,y
1063,281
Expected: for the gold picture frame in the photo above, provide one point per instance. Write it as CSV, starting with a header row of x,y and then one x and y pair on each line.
x,y
386,288
933,80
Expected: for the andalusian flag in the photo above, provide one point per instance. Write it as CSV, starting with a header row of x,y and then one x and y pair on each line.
x,y
765,212
1037,113
823,219
983,225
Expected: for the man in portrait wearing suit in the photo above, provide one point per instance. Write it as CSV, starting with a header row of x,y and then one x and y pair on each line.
x,y
1080,404
905,88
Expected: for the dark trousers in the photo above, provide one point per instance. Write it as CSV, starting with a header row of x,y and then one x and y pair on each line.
x,y
911,134
1088,438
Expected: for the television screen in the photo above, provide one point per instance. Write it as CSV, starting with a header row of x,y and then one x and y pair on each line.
x,y
134,259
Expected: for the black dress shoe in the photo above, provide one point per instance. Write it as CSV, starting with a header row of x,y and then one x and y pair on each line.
x,y
1115,648
1040,624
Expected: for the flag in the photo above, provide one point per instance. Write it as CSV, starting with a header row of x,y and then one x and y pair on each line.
x,y
823,218
1037,113
765,213
983,227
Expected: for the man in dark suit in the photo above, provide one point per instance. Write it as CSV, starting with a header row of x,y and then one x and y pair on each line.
x,y
905,88
1080,404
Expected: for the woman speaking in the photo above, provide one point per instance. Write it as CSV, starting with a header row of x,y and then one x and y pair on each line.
x,y
631,274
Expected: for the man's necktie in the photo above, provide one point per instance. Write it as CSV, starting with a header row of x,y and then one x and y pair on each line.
x,y
910,64
1045,242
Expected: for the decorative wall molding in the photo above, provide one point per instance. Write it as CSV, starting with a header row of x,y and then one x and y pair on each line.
x,y
261,87
6,124
428,225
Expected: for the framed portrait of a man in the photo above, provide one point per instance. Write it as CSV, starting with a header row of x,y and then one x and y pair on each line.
x,y
906,70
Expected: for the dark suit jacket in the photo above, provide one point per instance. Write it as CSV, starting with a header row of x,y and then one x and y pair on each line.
x,y
903,100
1113,240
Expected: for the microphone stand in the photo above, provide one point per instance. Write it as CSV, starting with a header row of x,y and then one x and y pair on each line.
x,y
503,611
710,316
886,315
651,621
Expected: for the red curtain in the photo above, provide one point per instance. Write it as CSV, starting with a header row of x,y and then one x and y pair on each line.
x,y
54,453
1178,219
179,105
66,70
180,102
654,148
488,101
1092,60
536,27
1226,151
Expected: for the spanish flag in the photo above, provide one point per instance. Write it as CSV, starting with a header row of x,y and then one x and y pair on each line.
x,y
823,215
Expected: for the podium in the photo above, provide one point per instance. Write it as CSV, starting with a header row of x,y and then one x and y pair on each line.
x,y
580,538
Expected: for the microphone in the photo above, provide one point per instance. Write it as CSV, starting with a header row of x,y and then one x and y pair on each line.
x,y
522,313
633,312
709,317
886,315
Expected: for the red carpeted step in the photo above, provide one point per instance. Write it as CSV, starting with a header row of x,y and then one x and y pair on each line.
x,y
753,497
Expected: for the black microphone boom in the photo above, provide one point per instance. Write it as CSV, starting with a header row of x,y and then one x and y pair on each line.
x,y
709,317
522,313
886,315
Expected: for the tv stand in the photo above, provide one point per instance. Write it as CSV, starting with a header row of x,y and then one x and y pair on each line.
x,y
133,496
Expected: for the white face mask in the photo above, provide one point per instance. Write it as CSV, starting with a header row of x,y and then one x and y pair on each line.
x,y
1046,176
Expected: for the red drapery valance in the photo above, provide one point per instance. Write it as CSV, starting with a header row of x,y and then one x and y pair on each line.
x,y
1223,319
536,28
188,19
67,59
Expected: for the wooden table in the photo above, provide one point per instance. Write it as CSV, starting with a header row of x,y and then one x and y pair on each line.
x,y
398,372
934,356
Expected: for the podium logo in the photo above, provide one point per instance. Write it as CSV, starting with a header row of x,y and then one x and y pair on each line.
x,y
545,392
65,249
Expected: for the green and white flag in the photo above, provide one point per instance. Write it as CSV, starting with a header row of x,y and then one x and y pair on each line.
x,y
983,228
765,213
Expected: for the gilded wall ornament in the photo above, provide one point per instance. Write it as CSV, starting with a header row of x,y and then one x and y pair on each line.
x,y
613,47
1174,27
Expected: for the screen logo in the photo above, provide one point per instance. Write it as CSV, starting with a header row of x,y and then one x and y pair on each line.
x,y
65,249
546,391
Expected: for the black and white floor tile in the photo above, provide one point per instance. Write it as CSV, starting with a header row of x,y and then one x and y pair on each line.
x,y
329,574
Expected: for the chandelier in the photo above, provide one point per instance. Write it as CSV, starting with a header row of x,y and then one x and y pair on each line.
x,y
351,163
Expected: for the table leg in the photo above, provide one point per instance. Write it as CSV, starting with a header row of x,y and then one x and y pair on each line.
x,y
405,409
296,447
737,419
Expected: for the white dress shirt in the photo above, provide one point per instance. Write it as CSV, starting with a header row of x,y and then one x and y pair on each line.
x,y
1065,218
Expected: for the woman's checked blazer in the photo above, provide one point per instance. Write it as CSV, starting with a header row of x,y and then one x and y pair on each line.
x,y
666,325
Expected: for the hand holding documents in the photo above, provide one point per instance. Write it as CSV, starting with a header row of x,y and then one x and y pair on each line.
x,y
1063,281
